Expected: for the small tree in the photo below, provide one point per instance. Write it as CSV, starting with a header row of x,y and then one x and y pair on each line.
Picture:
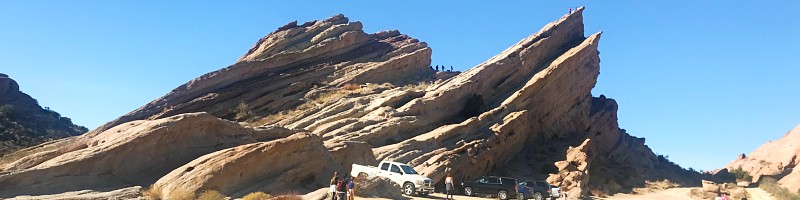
x,y
243,112
741,175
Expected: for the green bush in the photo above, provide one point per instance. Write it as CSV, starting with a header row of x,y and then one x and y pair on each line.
x,y
741,175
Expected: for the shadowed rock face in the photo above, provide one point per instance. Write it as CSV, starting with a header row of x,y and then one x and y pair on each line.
x,y
527,112
778,159
24,123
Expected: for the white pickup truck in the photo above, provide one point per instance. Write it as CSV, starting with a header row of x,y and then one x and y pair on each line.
x,y
402,174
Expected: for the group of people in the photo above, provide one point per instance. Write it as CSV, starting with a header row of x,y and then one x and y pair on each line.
x,y
443,68
342,189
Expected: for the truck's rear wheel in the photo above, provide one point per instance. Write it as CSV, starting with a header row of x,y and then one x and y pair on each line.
x,y
408,189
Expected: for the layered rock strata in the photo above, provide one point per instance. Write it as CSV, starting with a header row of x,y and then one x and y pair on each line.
x,y
348,97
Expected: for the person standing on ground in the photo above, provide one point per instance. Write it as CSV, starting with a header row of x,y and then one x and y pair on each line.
x,y
448,185
570,10
332,189
341,188
451,68
351,189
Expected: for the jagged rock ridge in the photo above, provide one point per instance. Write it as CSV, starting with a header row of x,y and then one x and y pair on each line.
x,y
349,97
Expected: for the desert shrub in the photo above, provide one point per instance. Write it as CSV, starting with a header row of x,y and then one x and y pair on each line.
x,y
181,194
152,193
770,185
243,112
741,175
288,197
257,196
211,195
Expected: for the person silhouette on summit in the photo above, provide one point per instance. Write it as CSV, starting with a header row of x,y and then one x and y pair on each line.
x,y
437,67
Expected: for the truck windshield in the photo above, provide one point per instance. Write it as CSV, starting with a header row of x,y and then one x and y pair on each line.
x,y
408,169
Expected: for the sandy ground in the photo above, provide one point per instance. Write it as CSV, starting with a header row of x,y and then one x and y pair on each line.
x,y
673,193
683,193
758,193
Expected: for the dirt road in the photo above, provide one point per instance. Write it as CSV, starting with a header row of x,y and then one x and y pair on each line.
x,y
672,193
758,193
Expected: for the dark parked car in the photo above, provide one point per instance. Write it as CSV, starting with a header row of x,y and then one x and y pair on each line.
x,y
537,190
503,187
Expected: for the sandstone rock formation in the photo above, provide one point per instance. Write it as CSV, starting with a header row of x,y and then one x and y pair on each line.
x,y
277,166
24,123
135,153
350,97
778,159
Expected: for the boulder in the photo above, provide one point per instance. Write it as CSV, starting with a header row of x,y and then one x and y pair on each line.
x,y
105,160
377,187
296,162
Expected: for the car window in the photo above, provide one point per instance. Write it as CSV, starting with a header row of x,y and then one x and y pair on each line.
x,y
482,180
408,170
523,184
508,180
385,167
395,169
541,184
492,181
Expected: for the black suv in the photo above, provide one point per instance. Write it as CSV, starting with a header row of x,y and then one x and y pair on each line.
x,y
537,190
503,187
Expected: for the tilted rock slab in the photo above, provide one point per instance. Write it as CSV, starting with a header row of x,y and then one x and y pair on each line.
x,y
280,165
136,153
282,67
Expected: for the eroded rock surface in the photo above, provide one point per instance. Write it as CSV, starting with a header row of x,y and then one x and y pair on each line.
x,y
348,97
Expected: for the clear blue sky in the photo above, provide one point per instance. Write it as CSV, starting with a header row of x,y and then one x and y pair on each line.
x,y
702,81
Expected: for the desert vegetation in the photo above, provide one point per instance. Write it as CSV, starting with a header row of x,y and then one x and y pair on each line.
x,y
257,196
741,175
770,185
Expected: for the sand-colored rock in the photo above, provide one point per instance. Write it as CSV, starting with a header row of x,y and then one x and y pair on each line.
x,y
358,98
778,159
281,165
136,153
275,74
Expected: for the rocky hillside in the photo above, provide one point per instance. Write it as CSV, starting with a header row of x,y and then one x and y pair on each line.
x,y
777,159
24,123
314,98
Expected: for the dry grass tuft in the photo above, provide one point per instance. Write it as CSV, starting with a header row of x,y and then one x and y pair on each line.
x,y
421,86
257,196
654,186
211,195
288,196
181,194
152,193
770,185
